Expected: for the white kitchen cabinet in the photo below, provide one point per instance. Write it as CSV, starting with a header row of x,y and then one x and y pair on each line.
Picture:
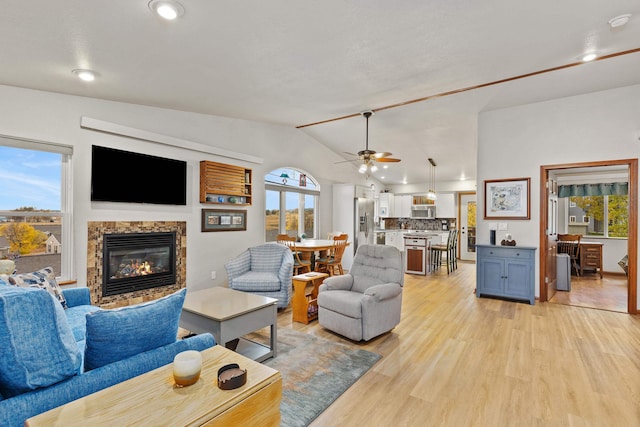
x,y
396,239
446,205
402,205
386,206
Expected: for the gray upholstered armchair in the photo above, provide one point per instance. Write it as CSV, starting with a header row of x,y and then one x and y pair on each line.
x,y
264,270
367,301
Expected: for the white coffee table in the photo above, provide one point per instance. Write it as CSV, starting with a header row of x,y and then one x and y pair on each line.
x,y
229,314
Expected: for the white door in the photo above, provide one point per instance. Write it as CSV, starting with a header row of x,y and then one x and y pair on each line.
x,y
468,227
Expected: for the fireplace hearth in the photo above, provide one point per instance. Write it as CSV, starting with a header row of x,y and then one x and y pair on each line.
x,y
138,261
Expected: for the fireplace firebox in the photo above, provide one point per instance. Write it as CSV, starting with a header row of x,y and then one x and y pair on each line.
x,y
137,261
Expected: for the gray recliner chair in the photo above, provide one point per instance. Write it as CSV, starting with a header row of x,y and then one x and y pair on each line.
x,y
264,270
367,301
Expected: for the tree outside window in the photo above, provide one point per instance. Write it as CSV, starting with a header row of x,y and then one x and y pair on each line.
x,y
605,216
33,206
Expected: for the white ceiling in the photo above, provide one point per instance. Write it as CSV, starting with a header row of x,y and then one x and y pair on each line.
x,y
298,62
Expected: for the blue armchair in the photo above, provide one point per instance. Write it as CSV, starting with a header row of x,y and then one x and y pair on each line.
x,y
264,270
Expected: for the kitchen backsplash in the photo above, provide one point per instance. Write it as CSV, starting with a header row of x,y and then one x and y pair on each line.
x,y
420,224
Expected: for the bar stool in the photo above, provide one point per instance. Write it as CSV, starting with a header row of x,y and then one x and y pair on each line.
x,y
449,249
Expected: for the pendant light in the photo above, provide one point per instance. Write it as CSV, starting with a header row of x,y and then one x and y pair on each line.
x,y
431,194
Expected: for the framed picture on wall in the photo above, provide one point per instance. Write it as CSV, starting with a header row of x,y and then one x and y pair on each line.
x,y
507,198
223,220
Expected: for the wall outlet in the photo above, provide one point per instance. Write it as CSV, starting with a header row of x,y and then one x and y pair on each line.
x,y
213,275
502,226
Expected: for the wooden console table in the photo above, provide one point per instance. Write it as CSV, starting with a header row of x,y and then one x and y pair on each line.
x,y
305,304
152,400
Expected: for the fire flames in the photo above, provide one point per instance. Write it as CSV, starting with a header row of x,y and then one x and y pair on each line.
x,y
137,268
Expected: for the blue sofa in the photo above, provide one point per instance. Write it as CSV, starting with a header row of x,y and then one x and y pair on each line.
x,y
84,333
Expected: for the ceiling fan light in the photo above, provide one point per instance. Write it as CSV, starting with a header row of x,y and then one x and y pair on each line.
x,y
363,168
374,168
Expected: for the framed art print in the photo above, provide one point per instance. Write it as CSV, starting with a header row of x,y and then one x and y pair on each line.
x,y
223,220
507,198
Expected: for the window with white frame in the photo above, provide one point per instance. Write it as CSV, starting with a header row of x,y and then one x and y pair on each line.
x,y
604,216
291,204
35,205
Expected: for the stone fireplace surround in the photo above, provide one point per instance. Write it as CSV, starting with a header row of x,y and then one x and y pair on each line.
x,y
95,253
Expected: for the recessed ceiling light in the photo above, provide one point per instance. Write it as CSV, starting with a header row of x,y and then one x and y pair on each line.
x,y
619,21
86,75
589,57
167,9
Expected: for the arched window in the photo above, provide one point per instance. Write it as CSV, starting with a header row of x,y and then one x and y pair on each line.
x,y
291,204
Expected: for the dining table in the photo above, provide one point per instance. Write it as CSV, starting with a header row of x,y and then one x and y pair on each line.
x,y
309,247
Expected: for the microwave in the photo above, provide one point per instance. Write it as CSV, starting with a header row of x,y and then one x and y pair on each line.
x,y
423,211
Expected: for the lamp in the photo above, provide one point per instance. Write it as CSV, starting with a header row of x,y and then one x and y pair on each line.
x,y
284,177
431,194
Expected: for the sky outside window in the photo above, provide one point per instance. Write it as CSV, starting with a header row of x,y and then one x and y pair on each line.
x,y
29,178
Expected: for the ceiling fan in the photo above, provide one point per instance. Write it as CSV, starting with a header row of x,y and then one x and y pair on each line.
x,y
370,157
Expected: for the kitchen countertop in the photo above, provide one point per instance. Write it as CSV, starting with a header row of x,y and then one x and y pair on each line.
x,y
423,233
420,234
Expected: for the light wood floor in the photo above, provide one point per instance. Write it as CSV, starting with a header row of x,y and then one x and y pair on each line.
x,y
456,360
589,290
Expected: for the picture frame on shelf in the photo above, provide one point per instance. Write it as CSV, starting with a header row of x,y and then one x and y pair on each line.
x,y
507,199
223,220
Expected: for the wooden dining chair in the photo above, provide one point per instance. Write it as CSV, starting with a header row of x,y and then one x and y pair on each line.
x,y
300,265
570,244
333,260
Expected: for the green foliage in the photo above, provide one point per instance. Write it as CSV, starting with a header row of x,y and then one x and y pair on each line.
x,y
593,206
617,212
618,216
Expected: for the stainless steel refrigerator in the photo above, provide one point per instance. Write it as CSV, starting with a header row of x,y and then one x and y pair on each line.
x,y
355,216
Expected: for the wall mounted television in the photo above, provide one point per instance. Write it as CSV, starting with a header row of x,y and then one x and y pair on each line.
x,y
123,176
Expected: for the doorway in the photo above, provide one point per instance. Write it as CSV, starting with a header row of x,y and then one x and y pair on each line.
x,y
467,215
547,270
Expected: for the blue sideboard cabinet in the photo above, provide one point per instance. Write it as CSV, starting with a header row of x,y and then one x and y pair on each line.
x,y
506,271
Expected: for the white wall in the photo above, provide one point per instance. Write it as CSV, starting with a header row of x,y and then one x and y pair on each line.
x,y
56,118
515,142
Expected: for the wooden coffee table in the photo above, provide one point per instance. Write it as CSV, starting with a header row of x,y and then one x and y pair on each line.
x,y
152,400
229,314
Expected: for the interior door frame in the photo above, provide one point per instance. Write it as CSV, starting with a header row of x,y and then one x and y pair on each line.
x,y
632,240
459,222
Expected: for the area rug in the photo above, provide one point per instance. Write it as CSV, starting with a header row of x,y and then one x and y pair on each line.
x,y
315,372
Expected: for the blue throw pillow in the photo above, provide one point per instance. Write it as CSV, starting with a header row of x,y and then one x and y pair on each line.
x,y
43,279
37,346
117,334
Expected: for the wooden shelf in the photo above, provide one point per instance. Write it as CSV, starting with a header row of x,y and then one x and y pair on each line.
x,y
222,184
304,303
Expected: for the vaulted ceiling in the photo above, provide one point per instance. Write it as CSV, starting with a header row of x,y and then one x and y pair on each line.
x,y
435,63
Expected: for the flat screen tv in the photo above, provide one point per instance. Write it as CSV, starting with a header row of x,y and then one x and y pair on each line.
x,y
123,176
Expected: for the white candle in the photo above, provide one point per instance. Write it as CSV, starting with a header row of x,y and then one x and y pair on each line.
x,y
186,368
